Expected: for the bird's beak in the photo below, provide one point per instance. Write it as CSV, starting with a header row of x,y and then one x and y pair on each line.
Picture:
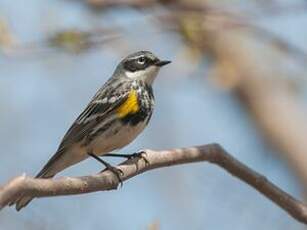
x,y
162,63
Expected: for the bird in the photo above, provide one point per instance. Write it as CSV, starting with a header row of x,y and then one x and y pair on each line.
x,y
115,116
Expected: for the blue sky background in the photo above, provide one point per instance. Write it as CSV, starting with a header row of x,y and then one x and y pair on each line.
x,y
41,96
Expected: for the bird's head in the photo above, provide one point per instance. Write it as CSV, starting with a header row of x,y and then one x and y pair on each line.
x,y
142,65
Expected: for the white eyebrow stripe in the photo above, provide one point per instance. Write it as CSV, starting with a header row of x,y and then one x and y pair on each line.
x,y
136,57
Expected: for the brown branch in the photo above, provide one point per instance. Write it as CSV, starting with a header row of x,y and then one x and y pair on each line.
x,y
105,180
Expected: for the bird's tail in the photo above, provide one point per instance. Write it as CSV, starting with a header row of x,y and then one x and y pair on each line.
x,y
23,201
53,166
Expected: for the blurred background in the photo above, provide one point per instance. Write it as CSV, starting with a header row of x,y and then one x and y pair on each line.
x,y
238,78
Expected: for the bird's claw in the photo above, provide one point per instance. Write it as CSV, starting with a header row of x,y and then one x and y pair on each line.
x,y
139,154
117,172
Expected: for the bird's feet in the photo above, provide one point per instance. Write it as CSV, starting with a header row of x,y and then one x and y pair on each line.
x,y
117,172
140,154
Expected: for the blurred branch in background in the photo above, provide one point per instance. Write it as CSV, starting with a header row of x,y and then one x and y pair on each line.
x,y
7,40
154,226
266,94
191,26
70,40
106,180
181,17
261,8
76,41
131,3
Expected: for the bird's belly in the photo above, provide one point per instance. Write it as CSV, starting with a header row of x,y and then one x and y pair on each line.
x,y
117,137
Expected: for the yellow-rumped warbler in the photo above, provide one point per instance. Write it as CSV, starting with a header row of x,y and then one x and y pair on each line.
x,y
118,112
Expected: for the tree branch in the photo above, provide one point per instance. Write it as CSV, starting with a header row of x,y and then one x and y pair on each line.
x,y
105,180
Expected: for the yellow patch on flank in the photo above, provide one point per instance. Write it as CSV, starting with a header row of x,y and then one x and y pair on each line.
x,y
129,106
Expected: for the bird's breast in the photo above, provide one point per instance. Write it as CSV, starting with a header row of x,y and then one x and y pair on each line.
x,y
116,137
128,121
138,106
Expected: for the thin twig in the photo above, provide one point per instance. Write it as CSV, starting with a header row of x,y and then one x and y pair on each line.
x,y
105,180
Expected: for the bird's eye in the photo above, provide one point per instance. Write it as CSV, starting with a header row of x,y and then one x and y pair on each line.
x,y
141,60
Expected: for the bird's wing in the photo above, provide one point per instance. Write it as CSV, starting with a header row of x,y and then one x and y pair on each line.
x,y
104,103
101,106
